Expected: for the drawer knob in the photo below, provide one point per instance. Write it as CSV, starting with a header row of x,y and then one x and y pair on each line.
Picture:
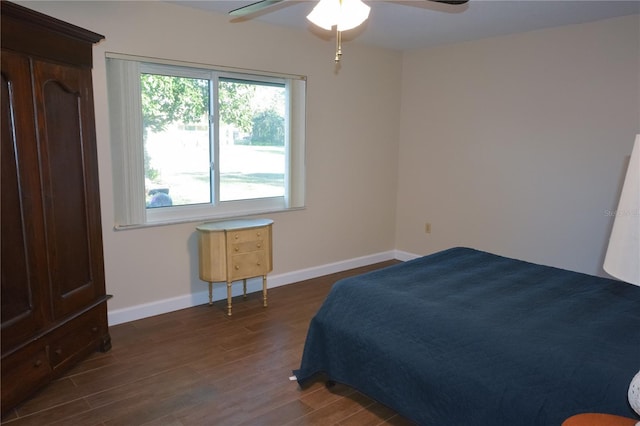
x,y
258,234
236,249
237,236
58,351
258,263
259,245
94,329
237,267
37,363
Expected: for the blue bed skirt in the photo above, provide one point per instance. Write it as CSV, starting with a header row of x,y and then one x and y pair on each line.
x,y
464,337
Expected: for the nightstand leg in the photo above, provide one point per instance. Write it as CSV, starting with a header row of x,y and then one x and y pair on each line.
x,y
228,298
264,291
210,293
244,289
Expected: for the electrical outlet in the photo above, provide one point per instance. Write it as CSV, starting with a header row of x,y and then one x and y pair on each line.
x,y
427,228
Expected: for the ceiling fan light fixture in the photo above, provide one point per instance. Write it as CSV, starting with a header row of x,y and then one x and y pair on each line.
x,y
344,14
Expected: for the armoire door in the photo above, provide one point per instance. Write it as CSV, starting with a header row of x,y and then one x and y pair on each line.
x,y
23,255
68,163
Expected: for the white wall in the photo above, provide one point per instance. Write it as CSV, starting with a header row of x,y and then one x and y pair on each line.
x,y
518,144
352,131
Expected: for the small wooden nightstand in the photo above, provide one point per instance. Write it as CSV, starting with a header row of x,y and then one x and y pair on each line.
x,y
235,250
597,419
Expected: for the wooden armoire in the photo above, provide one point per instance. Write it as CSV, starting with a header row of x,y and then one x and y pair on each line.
x,y
54,305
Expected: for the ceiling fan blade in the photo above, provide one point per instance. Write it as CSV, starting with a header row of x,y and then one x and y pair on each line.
x,y
253,7
451,1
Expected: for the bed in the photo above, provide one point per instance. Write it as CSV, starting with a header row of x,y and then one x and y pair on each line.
x,y
464,337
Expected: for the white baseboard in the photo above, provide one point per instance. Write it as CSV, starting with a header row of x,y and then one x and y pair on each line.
x,y
404,255
119,316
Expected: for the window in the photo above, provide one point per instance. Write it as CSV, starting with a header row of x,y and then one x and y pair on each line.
x,y
198,142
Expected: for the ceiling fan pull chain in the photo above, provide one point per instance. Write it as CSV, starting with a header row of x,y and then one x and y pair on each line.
x,y
338,45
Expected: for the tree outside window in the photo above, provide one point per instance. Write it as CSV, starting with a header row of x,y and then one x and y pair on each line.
x,y
180,163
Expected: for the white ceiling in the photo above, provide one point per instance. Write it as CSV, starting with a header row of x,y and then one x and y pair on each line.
x,y
414,24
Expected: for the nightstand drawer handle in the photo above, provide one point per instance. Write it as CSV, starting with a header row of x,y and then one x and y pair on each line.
x,y
237,267
236,249
37,363
259,245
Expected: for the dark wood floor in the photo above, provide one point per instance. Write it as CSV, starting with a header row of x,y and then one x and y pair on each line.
x,y
199,367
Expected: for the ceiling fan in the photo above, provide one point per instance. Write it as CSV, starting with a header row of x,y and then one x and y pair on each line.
x,y
341,14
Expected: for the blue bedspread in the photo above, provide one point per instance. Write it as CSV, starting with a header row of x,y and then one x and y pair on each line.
x,y
463,337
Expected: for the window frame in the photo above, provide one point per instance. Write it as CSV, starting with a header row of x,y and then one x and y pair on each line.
x,y
123,78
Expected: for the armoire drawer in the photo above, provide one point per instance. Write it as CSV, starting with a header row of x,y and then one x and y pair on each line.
x,y
22,372
81,333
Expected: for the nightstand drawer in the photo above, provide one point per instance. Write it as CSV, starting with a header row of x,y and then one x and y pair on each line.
x,y
248,235
247,247
248,265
